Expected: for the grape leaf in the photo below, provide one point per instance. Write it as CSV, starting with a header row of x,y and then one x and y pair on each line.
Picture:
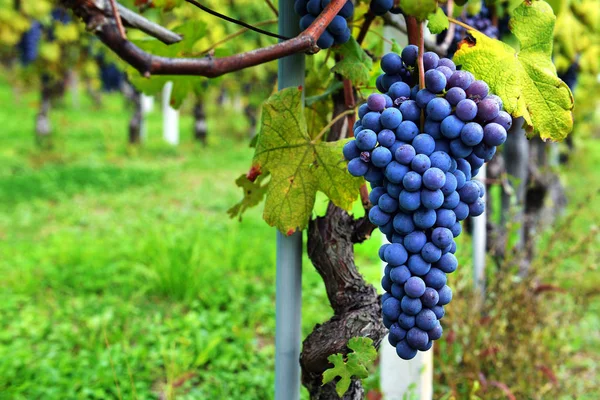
x,y
254,193
363,354
419,9
526,80
299,166
355,65
437,22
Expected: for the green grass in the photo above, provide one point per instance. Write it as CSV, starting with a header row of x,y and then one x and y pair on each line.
x,y
121,274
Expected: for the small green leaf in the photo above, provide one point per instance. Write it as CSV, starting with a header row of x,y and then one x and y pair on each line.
x,y
363,355
355,65
525,80
419,9
396,47
299,166
437,22
254,193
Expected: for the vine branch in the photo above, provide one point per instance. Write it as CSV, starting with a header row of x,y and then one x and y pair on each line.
x,y
148,64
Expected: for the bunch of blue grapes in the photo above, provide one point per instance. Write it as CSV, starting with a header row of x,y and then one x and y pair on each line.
x,y
30,43
481,21
422,182
337,31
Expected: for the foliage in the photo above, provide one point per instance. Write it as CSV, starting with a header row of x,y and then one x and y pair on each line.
x,y
354,365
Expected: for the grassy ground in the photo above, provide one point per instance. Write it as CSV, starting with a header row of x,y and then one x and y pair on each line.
x,y
122,276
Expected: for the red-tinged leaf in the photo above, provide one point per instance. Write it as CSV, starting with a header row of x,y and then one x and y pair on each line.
x,y
549,374
505,389
253,173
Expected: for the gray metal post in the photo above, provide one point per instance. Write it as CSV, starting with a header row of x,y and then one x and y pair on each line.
x,y
289,248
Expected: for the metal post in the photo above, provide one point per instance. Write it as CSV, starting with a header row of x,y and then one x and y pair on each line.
x,y
479,241
170,116
289,248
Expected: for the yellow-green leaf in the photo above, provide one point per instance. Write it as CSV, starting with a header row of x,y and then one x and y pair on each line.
x,y
437,22
254,193
526,80
299,166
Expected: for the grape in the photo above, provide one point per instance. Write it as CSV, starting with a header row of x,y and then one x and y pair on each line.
x,y
395,172
450,185
407,131
435,278
409,55
461,211
380,7
391,308
399,90
397,334
378,82
350,150
314,7
434,178
475,162
405,351
363,110
430,60
386,137
469,193
414,287
337,26
451,201
412,181
460,79
504,119
376,102
410,306
435,81
423,144
424,218
477,91
431,253
417,338
366,140
403,223
395,254
378,217
455,95
459,149
441,160
391,118
471,134
426,320
393,189
488,109
433,129
29,43
445,294
447,263
405,154
343,37
376,194
420,163
337,31
388,204
494,134
430,298
466,110
381,157
447,72
400,274
446,62
477,208
415,241
389,80
445,218
410,201
391,63
438,109
357,167
424,96
435,333
410,110
406,321
451,126
417,265
441,237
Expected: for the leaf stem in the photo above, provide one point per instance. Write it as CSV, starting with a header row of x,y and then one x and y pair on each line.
x,y
460,23
331,123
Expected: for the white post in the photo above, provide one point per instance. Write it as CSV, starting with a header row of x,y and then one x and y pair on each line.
x,y
479,241
401,379
170,116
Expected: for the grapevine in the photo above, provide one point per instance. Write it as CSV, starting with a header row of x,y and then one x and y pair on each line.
x,y
422,181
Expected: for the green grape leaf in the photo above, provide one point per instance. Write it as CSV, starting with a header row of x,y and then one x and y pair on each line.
x,y
299,166
363,355
420,9
525,80
396,47
254,193
437,22
355,64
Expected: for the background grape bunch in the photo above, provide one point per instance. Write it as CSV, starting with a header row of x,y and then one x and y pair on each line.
x,y
337,31
30,43
482,21
422,182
